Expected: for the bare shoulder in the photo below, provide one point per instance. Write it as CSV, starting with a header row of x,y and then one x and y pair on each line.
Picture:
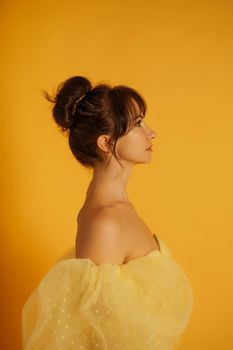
x,y
100,237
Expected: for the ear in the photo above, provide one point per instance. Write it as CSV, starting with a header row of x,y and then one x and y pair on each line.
x,y
104,143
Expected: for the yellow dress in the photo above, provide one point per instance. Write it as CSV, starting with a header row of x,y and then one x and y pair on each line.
x,y
143,304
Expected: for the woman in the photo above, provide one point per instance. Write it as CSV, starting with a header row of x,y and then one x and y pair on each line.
x,y
121,289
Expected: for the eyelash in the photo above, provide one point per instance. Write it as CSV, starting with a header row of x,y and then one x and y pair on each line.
x,y
139,121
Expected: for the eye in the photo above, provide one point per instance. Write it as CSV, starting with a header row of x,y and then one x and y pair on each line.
x,y
138,122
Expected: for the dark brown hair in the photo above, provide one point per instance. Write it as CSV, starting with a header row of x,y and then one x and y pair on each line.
x,y
87,112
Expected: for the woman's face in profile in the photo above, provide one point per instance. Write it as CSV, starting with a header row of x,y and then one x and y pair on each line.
x,y
133,147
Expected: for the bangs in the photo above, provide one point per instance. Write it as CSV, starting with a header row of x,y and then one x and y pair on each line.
x,y
128,105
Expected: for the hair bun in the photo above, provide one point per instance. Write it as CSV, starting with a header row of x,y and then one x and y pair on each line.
x,y
69,93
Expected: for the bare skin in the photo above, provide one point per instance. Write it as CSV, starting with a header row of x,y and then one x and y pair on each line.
x,y
136,236
107,193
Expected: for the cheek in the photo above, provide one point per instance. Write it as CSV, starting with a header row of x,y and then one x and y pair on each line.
x,y
128,147
126,142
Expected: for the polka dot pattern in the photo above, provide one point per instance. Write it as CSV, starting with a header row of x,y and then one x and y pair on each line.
x,y
143,304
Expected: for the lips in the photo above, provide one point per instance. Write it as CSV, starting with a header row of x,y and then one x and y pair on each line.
x,y
149,147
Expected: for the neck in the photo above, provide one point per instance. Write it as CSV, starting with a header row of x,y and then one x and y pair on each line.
x,y
109,185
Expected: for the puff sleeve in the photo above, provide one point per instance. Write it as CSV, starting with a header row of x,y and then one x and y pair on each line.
x,y
143,304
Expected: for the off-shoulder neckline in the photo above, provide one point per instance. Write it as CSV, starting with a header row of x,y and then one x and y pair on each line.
x,y
152,252
129,262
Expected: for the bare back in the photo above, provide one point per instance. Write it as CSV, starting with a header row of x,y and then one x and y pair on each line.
x,y
136,238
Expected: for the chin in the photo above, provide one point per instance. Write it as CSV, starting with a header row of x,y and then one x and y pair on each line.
x,y
146,160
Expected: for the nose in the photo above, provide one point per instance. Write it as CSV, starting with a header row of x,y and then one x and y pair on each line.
x,y
151,133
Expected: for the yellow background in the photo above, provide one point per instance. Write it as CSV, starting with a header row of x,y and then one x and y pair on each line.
x,y
179,55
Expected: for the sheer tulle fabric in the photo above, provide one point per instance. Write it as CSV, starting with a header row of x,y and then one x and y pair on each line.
x,y
143,304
